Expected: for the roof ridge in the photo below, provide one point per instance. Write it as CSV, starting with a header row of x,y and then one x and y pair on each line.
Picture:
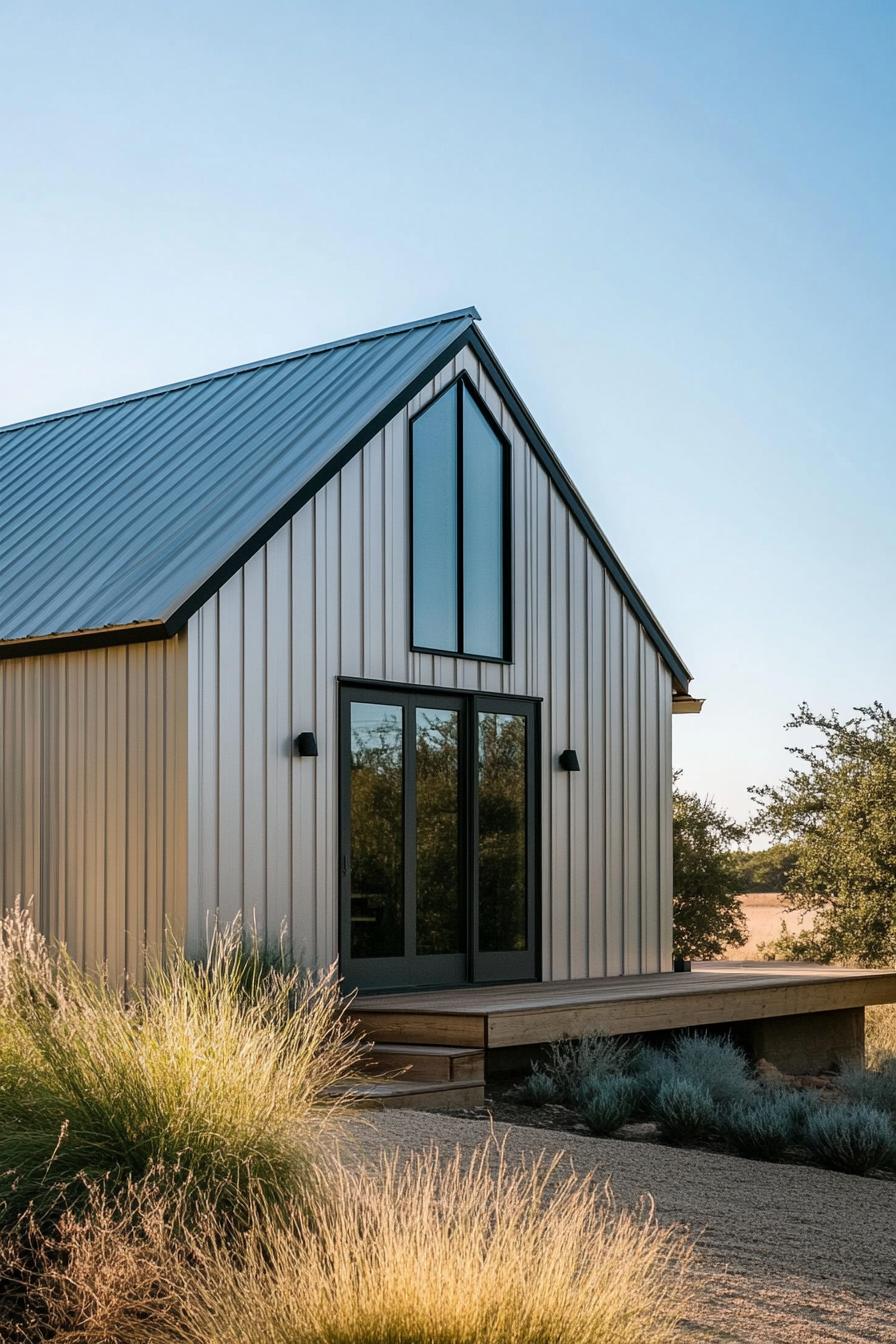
x,y
271,360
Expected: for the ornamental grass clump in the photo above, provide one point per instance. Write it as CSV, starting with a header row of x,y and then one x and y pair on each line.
x,y
537,1089
764,1127
652,1068
855,1138
573,1062
715,1064
606,1104
796,1107
684,1111
468,1250
193,1080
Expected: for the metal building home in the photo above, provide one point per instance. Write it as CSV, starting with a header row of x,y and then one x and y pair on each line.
x,y
332,641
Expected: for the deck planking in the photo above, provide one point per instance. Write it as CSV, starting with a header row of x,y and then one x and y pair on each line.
x,y
525,1014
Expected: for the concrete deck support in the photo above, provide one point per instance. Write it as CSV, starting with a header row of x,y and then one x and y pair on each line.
x,y
809,1043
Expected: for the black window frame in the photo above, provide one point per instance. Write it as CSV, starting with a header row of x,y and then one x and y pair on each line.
x,y
464,382
373,975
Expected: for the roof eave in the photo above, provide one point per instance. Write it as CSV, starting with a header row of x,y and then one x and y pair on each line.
x,y
70,641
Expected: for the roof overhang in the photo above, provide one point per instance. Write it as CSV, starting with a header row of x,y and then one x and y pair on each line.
x,y
69,641
686,704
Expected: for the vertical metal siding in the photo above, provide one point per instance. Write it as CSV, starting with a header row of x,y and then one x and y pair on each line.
x,y
93,797
329,597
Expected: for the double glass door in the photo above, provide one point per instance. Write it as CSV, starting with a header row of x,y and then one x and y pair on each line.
x,y
437,822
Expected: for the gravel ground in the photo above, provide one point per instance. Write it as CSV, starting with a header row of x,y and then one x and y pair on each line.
x,y
788,1253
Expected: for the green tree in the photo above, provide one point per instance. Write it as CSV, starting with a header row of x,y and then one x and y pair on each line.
x,y
766,869
707,916
839,804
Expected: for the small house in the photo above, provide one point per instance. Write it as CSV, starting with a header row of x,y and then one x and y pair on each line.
x,y
331,641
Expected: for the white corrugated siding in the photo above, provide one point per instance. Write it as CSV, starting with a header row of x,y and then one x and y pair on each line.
x,y
328,597
93,792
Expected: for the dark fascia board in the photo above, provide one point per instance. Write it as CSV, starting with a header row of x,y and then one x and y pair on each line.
x,y
71,641
579,509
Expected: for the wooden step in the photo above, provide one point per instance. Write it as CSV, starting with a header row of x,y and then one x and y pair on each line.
x,y
428,1063
400,1027
391,1094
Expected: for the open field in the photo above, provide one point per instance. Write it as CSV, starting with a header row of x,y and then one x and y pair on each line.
x,y
764,911
790,1254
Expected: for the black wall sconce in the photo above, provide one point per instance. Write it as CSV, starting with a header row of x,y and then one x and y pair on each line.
x,y
569,760
306,744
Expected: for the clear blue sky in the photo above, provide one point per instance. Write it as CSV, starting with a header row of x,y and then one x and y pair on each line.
x,y
677,219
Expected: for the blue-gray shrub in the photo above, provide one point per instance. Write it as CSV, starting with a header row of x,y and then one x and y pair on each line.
x,y
684,1110
571,1062
538,1089
764,1127
851,1137
653,1067
876,1087
799,1106
607,1103
714,1063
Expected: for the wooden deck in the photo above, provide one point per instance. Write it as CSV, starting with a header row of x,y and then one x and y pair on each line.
x,y
491,1016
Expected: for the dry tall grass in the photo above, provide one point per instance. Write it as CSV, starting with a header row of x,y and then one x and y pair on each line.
x,y
168,1176
194,1079
880,1036
465,1251
104,1274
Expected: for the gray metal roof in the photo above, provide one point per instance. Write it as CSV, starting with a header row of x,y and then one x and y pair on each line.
x,y
120,519
116,513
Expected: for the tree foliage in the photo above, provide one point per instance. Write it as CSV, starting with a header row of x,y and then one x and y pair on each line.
x,y
707,916
766,869
838,803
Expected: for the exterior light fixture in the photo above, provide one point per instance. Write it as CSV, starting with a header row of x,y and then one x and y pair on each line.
x,y
306,744
569,760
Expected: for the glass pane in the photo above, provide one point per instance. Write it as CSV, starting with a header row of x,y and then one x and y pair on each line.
x,y
483,535
440,913
503,923
435,525
377,840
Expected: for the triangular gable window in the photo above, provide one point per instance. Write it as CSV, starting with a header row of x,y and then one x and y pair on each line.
x,y
460,526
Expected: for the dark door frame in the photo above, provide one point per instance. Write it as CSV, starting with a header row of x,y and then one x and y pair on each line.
x,y
471,965
489,967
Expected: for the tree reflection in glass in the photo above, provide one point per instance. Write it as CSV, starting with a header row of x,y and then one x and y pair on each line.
x,y
502,833
440,915
377,840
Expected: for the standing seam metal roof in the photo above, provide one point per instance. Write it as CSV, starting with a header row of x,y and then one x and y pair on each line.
x,y
114,513
120,518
